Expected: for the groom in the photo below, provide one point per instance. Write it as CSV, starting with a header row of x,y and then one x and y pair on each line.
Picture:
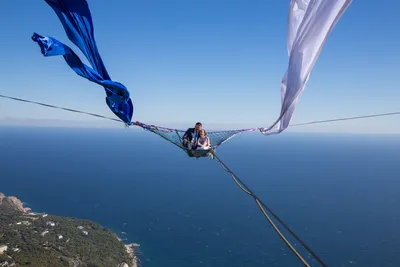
x,y
191,135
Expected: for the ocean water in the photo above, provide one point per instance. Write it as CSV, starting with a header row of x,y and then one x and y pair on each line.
x,y
340,193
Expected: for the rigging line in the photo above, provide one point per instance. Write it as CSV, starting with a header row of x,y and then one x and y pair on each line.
x,y
57,107
265,208
297,254
291,125
347,118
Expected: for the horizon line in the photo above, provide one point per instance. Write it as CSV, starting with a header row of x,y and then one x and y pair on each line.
x,y
81,124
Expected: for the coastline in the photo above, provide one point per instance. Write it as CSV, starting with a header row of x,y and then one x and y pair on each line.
x,y
132,249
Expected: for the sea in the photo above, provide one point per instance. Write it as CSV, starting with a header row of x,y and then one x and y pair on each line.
x,y
340,193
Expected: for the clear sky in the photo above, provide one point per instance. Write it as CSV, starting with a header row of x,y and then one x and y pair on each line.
x,y
219,62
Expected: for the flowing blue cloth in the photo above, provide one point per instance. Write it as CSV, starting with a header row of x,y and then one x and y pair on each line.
x,y
77,22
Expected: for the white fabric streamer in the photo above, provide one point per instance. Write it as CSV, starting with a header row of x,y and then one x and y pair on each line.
x,y
309,24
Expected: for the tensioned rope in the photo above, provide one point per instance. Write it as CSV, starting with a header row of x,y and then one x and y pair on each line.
x,y
58,107
347,118
264,208
291,125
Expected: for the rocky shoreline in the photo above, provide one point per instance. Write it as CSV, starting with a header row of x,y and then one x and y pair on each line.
x,y
12,210
132,250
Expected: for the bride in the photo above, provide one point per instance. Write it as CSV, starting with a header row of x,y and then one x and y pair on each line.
x,y
203,142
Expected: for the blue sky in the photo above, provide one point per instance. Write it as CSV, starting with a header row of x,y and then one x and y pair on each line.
x,y
219,62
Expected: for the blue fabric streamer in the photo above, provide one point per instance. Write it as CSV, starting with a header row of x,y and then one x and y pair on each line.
x,y
77,22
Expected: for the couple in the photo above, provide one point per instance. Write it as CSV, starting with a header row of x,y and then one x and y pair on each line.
x,y
196,138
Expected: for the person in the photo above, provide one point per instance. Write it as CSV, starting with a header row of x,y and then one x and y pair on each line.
x,y
191,136
203,142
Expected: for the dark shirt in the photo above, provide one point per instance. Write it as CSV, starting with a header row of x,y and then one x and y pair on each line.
x,y
190,135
